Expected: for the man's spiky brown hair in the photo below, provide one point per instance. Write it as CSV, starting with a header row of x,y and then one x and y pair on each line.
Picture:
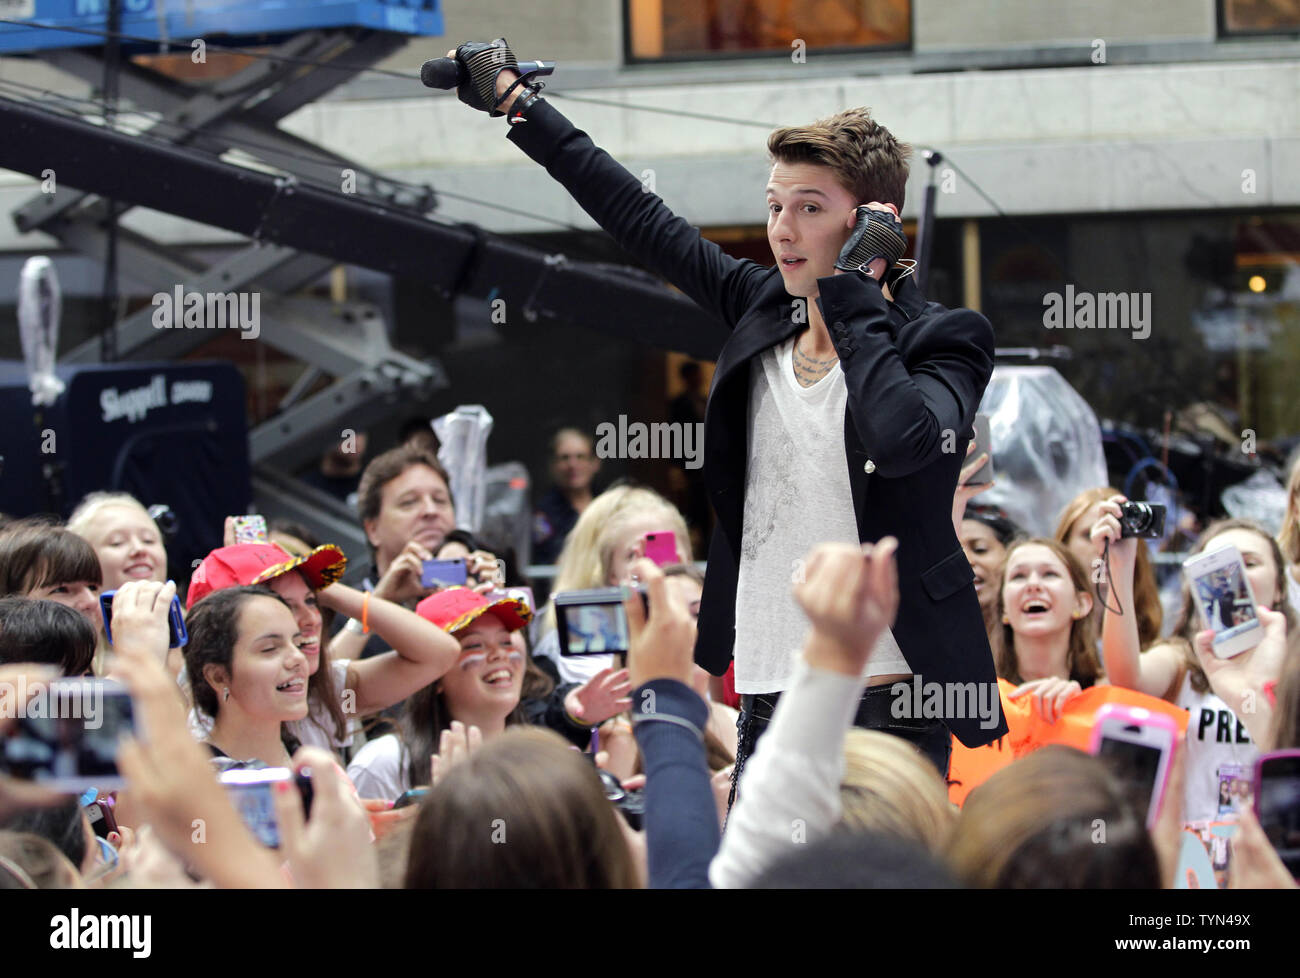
x,y
870,163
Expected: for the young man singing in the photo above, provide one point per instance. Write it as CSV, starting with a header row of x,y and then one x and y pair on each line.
x,y
840,409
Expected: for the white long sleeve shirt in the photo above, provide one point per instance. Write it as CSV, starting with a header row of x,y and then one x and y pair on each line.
x,y
789,793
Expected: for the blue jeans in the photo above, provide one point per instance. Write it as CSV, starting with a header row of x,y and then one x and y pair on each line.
x,y
930,737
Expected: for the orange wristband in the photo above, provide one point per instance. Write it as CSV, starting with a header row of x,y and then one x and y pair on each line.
x,y
365,614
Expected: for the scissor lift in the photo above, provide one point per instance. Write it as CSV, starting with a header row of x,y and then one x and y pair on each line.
x,y
309,48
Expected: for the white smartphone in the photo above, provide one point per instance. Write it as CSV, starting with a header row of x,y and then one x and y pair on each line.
x,y
1138,745
1223,596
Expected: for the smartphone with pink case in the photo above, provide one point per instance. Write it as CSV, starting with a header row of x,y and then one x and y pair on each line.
x,y
661,547
1138,744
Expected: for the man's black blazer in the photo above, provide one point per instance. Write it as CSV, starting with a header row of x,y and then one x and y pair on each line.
x,y
915,374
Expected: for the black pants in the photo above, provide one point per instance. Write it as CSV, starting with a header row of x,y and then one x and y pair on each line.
x,y
930,737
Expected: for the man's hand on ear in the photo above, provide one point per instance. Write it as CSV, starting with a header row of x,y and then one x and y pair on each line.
x,y
876,240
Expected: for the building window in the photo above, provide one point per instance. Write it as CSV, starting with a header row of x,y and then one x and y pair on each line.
x,y
679,30
1243,17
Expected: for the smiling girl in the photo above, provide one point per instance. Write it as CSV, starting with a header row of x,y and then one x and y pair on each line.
x,y
125,538
481,690
39,559
1219,749
247,672
1046,641
342,689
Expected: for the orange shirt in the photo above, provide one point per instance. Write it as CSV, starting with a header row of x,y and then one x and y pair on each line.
x,y
1028,731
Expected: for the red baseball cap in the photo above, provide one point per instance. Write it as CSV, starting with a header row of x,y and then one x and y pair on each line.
x,y
257,563
454,608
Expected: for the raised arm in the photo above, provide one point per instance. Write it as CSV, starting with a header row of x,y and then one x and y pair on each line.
x,y
681,822
616,200
790,792
422,651
1121,651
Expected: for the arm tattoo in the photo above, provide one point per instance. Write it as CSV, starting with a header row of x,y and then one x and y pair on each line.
x,y
808,370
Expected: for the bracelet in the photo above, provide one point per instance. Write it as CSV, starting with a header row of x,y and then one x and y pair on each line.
x,y
532,93
521,80
354,627
365,614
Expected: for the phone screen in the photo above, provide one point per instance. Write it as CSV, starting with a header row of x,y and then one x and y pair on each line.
x,y
1223,595
67,735
1277,802
1136,766
257,810
594,629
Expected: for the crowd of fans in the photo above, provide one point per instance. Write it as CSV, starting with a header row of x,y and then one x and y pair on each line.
x,y
450,742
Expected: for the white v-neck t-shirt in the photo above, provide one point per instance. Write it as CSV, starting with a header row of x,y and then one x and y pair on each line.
x,y
797,495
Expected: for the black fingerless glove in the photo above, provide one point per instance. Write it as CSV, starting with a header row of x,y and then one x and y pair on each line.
x,y
483,61
878,234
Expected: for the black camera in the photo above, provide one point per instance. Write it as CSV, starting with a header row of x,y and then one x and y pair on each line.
x,y
593,622
1144,520
629,803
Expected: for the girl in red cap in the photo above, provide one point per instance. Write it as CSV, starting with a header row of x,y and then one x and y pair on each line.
x,y
344,690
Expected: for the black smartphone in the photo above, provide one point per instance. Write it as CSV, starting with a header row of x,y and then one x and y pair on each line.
x,y
177,635
983,443
1277,804
67,735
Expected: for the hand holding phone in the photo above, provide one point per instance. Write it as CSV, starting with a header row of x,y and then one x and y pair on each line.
x,y
1223,597
983,444
1277,804
252,793
592,622
661,547
444,573
250,528
67,735
145,606
1138,745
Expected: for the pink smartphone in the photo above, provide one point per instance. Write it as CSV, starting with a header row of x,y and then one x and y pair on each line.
x,y
1139,746
661,547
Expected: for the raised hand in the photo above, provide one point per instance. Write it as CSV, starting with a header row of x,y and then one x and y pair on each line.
x,y
964,492
140,614
850,594
485,63
454,745
401,581
1239,681
334,848
662,646
877,236
602,696
1123,551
